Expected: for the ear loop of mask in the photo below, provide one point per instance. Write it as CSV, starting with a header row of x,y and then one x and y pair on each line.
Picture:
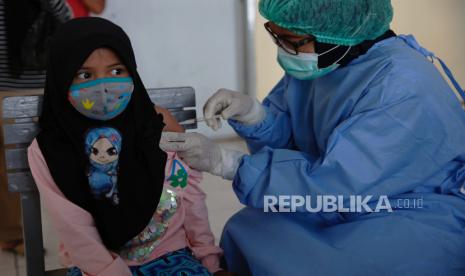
x,y
327,51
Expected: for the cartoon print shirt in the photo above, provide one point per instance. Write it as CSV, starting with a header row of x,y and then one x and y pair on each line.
x,y
81,245
103,146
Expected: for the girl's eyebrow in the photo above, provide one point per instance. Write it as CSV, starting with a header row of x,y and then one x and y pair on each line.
x,y
116,64
112,65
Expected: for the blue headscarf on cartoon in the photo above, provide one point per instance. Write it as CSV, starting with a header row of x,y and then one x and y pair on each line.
x,y
103,146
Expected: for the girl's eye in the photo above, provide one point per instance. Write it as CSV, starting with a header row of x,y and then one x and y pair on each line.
x,y
84,75
94,151
117,71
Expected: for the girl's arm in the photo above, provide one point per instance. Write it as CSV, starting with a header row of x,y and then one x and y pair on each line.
x,y
171,124
200,237
75,226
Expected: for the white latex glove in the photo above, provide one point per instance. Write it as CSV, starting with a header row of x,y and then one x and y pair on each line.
x,y
233,105
202,154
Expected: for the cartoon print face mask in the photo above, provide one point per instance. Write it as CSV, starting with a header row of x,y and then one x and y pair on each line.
x,y
101,99
103,146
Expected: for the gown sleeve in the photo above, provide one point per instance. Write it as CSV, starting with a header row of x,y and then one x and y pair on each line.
x,y
74,225
197,226
275,130
374,152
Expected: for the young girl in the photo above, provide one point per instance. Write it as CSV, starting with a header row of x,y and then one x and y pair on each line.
x,y
117,208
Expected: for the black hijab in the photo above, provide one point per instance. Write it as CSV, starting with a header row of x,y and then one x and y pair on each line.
x,y
353,53
63,129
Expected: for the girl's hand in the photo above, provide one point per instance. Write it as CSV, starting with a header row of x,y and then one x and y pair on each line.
x,y
171,125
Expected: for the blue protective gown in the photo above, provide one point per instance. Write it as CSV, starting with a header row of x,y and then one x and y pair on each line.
x,y
386,124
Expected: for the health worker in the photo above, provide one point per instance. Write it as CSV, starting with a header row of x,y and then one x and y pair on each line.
x,y
360,111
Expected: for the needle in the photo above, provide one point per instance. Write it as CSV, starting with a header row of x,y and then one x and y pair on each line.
x,y
197,120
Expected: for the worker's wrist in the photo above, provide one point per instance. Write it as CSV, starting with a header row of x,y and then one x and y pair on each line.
x,y
256,114
230,160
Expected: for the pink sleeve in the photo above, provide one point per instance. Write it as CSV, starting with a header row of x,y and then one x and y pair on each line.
x,y
74,225
201,239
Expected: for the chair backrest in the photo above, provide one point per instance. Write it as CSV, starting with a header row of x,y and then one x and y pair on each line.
x,y
19,112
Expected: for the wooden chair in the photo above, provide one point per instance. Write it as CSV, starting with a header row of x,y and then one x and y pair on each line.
x,y
19,111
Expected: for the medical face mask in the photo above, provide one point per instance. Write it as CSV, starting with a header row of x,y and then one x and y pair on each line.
x,y
304,66
101,99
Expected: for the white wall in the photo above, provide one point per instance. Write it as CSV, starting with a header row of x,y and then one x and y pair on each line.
x,y
186,43
438,26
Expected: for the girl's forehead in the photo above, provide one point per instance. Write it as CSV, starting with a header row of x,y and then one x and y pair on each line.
x,y
101,56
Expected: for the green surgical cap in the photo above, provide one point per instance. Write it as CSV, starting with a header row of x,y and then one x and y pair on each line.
x,y
341,22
